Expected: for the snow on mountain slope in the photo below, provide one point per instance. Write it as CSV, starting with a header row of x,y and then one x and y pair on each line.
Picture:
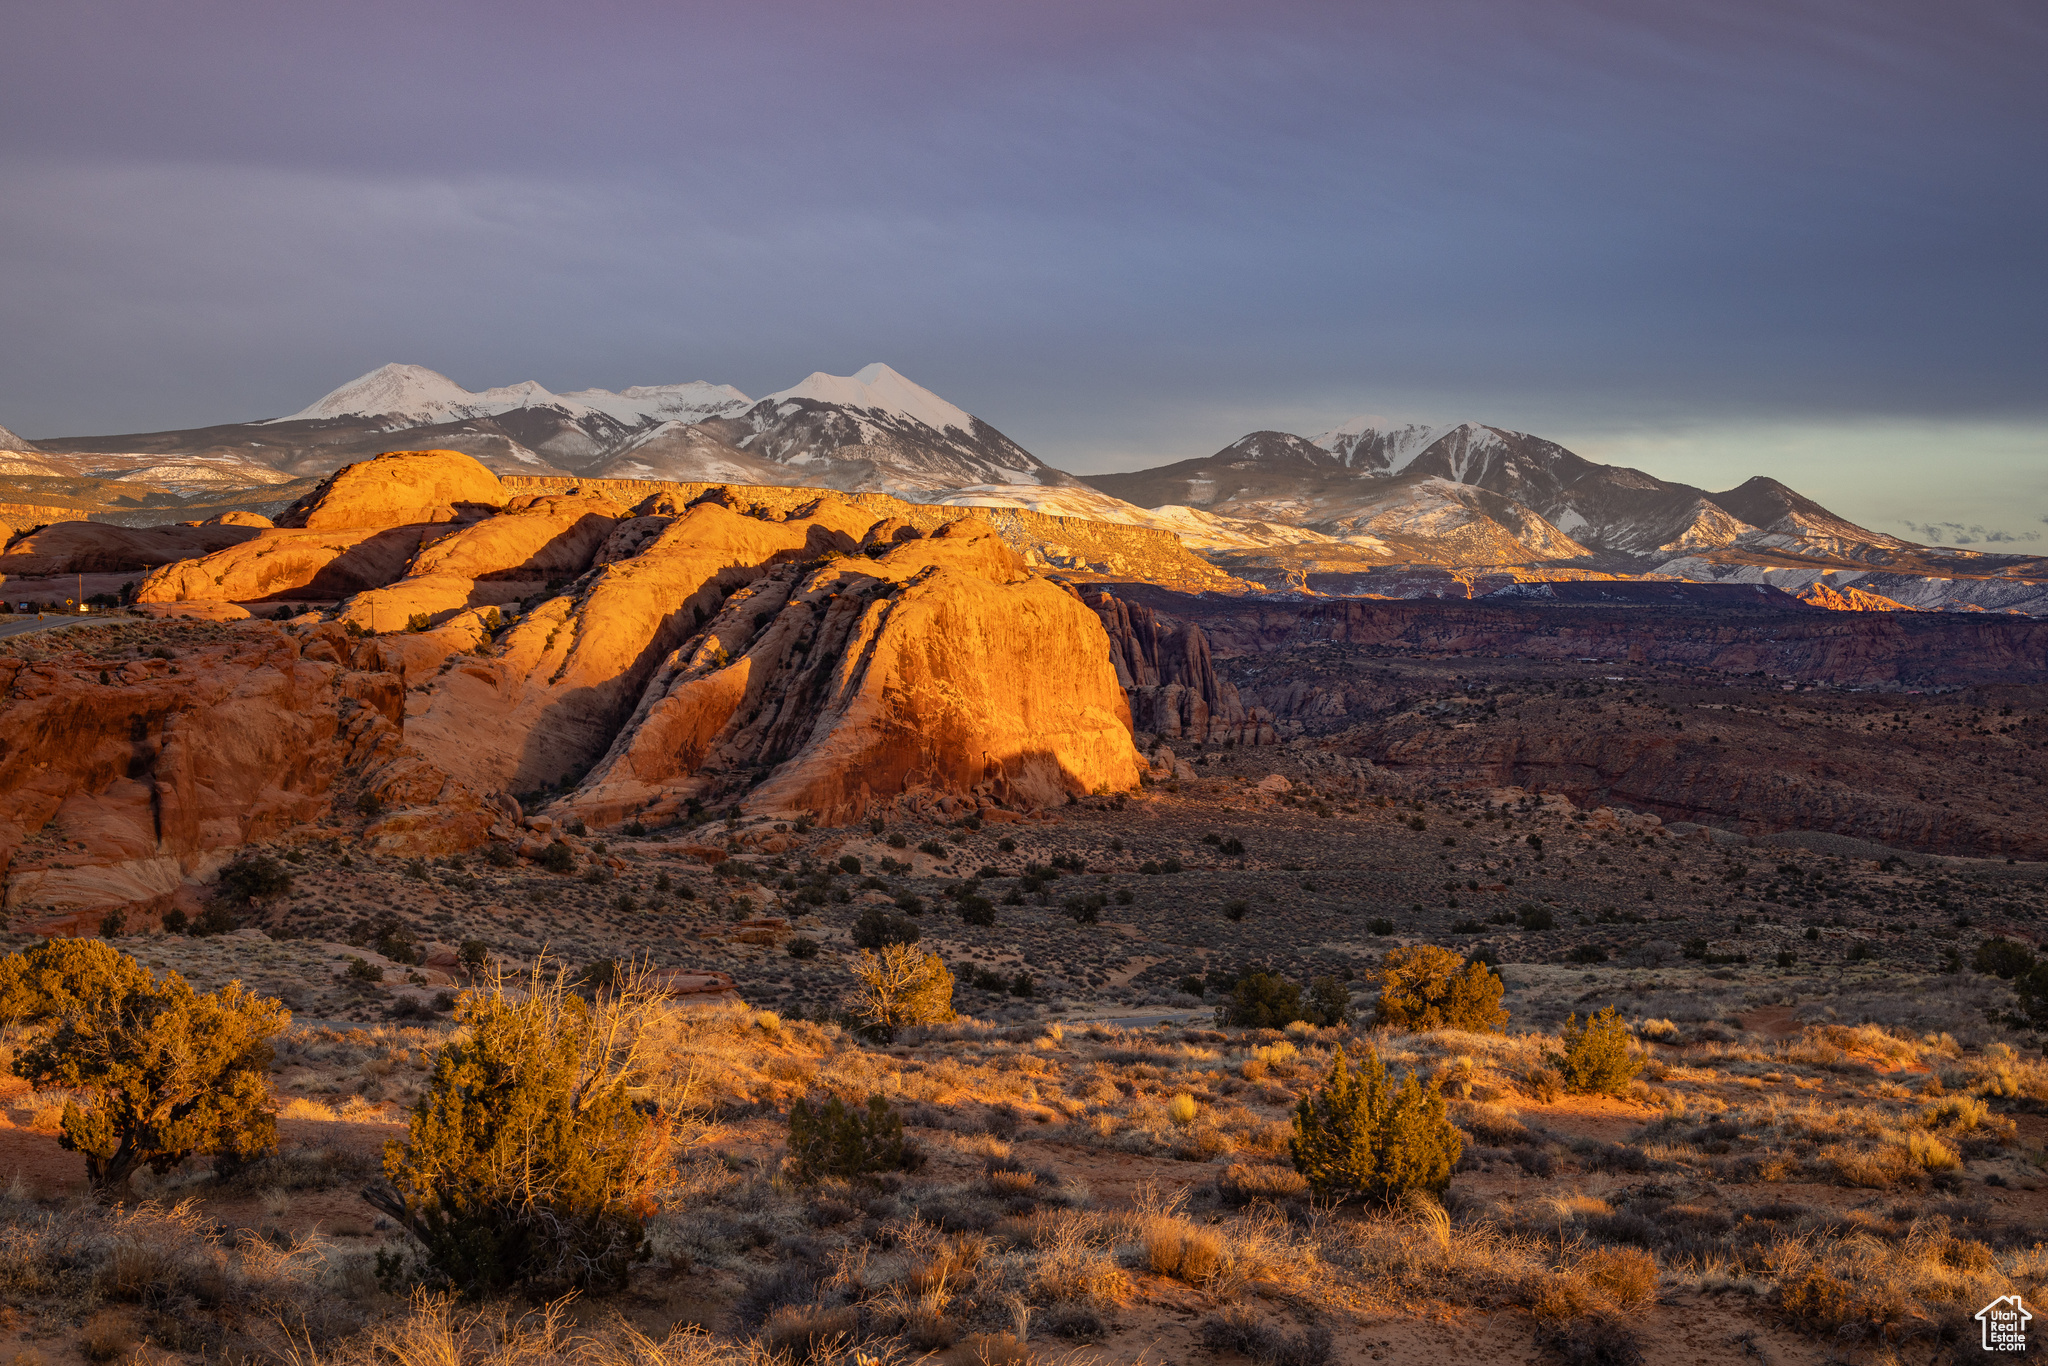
x,y
691,402
877,388
414,396
876,431
1361,444
10,442
1196,529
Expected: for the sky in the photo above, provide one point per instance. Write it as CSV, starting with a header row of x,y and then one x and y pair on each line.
x,y
1758,236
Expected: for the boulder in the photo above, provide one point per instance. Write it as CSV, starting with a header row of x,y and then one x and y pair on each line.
x,y
399,488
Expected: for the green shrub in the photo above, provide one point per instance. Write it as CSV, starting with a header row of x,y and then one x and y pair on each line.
x,y
802,948
2003,958
363,970
168,1072
876,928
1329,1003
525,1161
1536,918
2032,986
850,864
898,986
1236,908
1260,1000
417,622
1356,1137
850,1144
557,858
1597,1060
1424,987
977,910
254,877
1379,925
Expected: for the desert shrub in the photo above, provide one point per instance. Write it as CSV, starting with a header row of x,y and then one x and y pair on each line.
x,y
977,910
1425,987
1587,953
500,855
1242,1183
1596,1059
833,1140
898,986
1239,1331
1626,1276
255,877
1177,1248
2003,958
525,1160
1236,908
1379,925
1536,918
803,947
557,858
876,928
1358,1137
2032,987
168,1072
1329,1003
363,970
1260,1000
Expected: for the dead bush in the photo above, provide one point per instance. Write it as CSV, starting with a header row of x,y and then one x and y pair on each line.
x,y
1238,1330
1242,1183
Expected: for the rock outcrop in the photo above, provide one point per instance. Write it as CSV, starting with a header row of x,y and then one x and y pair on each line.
x,y
103,548
316,566
1170,680
938,670
123,775
798,656
399,488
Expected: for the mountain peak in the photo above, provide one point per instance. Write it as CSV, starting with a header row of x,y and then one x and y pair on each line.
x,y
10,442
880,388
412,392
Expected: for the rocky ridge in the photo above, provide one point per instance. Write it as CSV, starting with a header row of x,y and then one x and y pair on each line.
x,y
808,661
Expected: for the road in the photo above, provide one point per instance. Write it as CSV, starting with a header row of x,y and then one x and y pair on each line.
x,y
13,625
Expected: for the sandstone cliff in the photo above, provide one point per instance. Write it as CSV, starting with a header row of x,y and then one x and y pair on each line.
x,y
1169,679
937,671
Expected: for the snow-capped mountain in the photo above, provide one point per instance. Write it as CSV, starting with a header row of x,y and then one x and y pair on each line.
x,y
1553,498
10,442
873,429
414,396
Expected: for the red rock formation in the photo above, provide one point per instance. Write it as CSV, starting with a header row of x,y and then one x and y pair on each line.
x,y
103,548
548,702
1169,679
168,766
926,670
399,488
306,566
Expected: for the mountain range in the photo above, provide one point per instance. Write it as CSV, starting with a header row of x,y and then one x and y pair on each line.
x,y
873,430
1362,508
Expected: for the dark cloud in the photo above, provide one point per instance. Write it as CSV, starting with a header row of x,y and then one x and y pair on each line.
x,y
1110,229
1957,533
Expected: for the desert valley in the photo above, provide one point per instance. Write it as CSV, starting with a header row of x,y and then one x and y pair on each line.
x,y
658,877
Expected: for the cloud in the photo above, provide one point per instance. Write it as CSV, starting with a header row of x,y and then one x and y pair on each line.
x,y
1957,533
